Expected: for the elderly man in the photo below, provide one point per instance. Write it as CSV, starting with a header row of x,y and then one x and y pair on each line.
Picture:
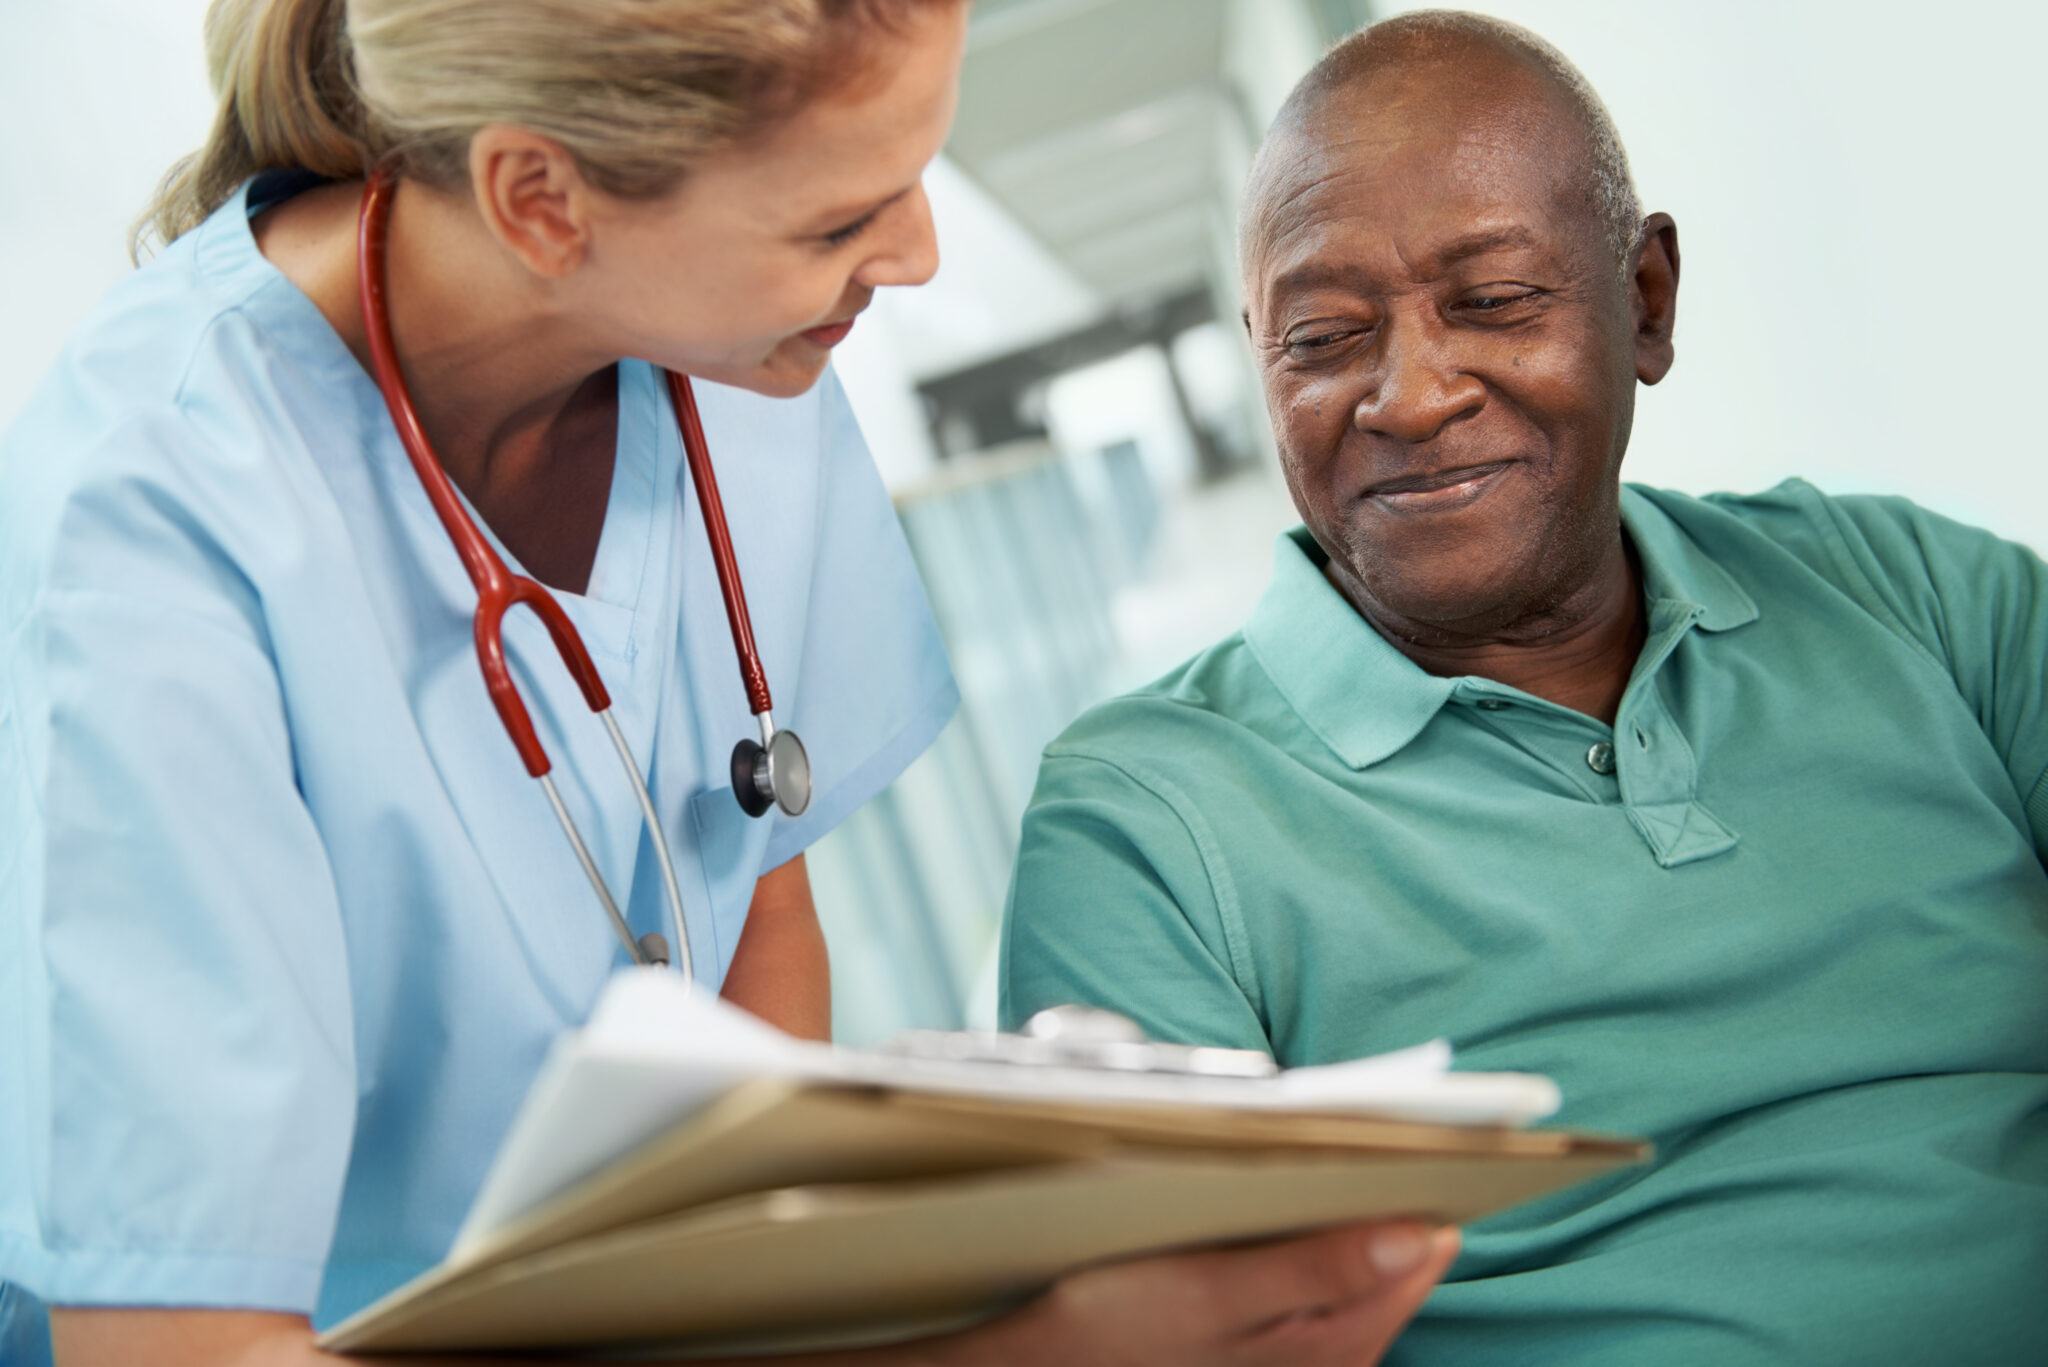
x,y
1727,813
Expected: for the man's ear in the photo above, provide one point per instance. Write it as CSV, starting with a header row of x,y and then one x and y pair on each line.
x,y
532,197
1653,295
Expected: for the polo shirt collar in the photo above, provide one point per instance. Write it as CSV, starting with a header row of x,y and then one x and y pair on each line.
x,y
1677,571
1366,700
1362,698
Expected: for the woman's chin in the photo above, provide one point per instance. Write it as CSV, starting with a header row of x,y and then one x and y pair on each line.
x,y
785,378
787,371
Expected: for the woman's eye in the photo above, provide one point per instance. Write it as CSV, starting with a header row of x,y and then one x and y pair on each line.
x,y
839,237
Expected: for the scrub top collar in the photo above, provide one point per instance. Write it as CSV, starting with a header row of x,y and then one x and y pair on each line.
x,y
646,455
1366,700
237,275
622,614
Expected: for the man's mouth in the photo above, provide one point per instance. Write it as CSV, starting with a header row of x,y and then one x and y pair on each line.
x,y
1437,491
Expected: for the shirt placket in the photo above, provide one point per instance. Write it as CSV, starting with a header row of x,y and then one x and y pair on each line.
x,y
1653,762
1577,747
1643,763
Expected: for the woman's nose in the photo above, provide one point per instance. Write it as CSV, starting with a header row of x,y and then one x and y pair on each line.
x,y
909,253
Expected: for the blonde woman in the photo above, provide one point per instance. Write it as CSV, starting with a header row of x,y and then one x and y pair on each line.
x,y
284,930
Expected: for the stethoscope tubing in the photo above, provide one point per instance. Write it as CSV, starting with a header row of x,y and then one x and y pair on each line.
x,y
698,455
498,589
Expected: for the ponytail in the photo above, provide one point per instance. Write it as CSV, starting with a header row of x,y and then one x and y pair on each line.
x,y
285,78
637,91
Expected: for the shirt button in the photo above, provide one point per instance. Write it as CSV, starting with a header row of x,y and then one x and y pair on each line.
x,y
1600,759
1491,704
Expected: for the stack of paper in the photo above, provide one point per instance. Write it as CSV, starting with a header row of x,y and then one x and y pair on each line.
x,y
683,1174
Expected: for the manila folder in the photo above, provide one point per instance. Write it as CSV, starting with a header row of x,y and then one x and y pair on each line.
x,y
803,1214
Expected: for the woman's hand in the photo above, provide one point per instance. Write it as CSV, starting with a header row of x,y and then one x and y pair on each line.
x,y
1338,1297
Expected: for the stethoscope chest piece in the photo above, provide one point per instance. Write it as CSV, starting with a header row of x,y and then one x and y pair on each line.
x,y
772,772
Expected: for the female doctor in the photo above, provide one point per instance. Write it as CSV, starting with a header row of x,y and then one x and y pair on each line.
x,y
285,929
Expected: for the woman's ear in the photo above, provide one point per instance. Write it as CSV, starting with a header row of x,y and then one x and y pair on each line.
x,y
532,197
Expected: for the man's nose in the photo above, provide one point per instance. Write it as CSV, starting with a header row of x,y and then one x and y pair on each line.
x,y
1418,389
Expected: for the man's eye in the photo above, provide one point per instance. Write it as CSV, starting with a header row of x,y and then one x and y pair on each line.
x,y
1494,301
1319,341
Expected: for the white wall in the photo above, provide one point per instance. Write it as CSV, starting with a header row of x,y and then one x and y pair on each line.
x,y
1859,188
97,99
996,289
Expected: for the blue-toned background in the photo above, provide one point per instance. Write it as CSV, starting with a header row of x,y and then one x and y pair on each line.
x,y
1067,416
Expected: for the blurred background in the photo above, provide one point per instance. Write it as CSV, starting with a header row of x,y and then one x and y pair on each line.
x,y
1068,416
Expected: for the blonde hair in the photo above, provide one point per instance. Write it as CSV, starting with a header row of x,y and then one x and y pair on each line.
x,y
637,91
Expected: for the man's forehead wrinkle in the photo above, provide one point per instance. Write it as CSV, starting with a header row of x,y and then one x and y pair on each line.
x,y
1505,115
1379,176
1287,179
1322,253
1447,74
1428,122
1503,141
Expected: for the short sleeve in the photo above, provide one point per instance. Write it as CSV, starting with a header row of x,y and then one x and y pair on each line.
x,y
177,1084
873,689
1977,604
1114,904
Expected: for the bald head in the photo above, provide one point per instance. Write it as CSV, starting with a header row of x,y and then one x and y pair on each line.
x,y
1452,300
1492,64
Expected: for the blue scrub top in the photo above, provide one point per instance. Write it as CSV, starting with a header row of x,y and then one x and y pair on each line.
x,y
285,927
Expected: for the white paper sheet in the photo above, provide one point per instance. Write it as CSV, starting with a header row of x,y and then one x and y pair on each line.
x,y
656,1052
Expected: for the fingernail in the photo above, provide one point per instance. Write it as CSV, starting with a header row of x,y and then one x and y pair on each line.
x,y
1398,1249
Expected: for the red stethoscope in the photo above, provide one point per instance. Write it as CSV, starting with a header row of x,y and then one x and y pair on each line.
x,y
773,771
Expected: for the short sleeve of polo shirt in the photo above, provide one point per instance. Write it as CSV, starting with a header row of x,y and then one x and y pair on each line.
x,y
1130,908
1976,604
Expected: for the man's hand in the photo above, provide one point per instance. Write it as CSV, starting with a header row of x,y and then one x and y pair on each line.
x,y
1338,1297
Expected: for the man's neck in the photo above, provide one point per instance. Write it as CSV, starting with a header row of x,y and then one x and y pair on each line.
x,y
1578,654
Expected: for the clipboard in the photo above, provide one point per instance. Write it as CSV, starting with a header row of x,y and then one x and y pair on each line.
x,y
795,1212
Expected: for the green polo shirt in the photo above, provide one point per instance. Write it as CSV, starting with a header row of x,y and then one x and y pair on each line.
x,y
1787,917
